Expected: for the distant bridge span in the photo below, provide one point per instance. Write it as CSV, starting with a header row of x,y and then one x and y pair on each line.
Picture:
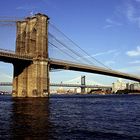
x,y
64,85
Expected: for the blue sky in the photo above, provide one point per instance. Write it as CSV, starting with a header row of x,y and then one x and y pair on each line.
x,y
108,30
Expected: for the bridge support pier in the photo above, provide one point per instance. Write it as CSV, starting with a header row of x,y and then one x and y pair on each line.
x,y
32,81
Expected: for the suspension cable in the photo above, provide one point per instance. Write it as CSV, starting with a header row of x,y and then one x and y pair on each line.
x,y
61,50
77,54
79,46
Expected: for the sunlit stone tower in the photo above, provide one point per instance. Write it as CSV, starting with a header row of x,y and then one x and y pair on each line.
x,y
31,78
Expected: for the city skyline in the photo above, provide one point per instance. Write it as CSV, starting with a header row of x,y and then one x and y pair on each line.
x,y
108,31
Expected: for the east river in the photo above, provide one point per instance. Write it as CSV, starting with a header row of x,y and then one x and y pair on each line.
x,y
71,117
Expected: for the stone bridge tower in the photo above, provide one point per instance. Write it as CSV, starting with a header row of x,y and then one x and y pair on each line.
x,y
31,78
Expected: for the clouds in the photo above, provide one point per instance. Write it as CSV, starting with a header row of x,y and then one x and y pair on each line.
x,y
132,12
137,0
35,6
134,52
133,69
111,23
26,7
31,7
104,53
104,58
129,11
5,77
109,63
135,62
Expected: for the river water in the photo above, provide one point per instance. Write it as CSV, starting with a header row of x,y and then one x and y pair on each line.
x,y
71,117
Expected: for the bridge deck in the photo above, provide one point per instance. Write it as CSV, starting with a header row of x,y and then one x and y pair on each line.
x,y
11,57
58,64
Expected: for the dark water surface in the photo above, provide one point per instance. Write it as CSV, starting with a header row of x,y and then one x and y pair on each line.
x,y
78,117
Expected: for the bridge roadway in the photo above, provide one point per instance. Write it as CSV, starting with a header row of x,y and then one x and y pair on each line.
x,y
59,64
64,85
11,57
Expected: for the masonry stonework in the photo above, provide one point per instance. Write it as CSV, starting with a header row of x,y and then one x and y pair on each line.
x,y
31,79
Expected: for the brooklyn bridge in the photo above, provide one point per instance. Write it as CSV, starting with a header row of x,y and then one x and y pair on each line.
x,y
32,63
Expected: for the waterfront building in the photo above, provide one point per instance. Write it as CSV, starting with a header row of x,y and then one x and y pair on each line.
x,y
77,90
133,86
118,85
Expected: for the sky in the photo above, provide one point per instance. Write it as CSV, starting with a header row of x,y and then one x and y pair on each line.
x,y
108,30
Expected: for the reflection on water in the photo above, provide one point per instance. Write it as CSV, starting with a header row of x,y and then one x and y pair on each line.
x,y
30,118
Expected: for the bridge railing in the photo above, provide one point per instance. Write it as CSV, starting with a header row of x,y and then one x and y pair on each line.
x,y
11,53
7,51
